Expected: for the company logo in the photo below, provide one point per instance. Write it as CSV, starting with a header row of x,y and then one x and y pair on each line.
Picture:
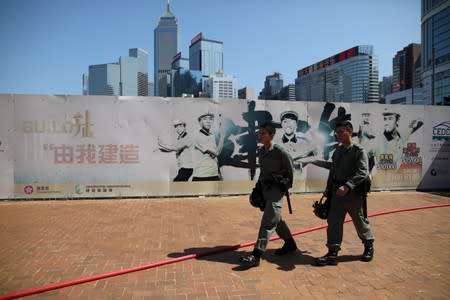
x,y
442,131
439,172
78,125
28,189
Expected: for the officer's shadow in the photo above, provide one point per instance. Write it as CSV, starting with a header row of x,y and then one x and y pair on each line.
x,y
231,255
289,261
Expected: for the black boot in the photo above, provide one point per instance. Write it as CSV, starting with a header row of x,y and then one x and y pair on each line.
x,y
289,246
328,259
251,260
368,251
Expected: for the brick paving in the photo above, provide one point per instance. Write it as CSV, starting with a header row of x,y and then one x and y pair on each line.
x,y
47,242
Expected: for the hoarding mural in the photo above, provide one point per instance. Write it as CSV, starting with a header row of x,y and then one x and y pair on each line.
x,y
102,146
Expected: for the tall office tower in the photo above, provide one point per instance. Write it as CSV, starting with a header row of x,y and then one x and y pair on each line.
x,y
436,51
206,56
128,77
185,82
246,93
166,45
349,76
104,79
134,73
385,87
221,86
151,89
85,84
287,93
272,86
405,68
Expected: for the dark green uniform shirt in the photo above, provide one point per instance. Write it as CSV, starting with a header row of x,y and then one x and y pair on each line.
x,y
349,167
276,161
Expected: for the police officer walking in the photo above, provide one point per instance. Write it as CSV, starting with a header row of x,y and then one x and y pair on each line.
x,y
276,176
346,179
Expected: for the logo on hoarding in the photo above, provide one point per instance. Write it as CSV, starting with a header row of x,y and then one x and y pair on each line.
x,y
28,189
442,131
78,125
438,171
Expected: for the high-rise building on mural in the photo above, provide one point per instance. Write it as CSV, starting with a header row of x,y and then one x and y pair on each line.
x,y
166,46
349,76
435,51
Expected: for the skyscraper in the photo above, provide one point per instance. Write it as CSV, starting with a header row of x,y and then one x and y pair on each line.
x,y
128,77
349,76
436,51
184,81
134,73
166,45
385,88
272,86
221,86
205,55
405,68
104,79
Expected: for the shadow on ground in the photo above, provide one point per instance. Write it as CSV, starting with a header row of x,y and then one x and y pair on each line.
x,y
230,255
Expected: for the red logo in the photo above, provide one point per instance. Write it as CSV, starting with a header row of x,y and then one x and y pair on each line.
x,y
28,189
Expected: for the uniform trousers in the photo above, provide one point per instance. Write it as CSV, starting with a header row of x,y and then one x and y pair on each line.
x,y
352,203
272,221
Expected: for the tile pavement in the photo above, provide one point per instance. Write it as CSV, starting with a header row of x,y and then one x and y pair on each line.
x,y
47,242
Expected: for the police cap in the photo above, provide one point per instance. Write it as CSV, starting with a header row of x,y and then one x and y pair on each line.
x,y
289,114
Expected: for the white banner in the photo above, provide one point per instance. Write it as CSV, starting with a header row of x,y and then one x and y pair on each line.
x,y
6,148
102,146
436,150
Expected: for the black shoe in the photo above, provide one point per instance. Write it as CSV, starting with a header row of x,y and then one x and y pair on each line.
x,y
249,261
289,246
368,253
328,259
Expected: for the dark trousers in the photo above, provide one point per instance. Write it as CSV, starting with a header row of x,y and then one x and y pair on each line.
x,y
211,178
340,206
183,174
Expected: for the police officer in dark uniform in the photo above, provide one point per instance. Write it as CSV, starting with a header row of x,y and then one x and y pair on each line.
x,y
275,179
348,173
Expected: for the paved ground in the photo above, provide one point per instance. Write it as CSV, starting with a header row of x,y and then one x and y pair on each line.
x,y
47,242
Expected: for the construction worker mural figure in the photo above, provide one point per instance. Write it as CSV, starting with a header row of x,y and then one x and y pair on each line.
x,y
182,146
